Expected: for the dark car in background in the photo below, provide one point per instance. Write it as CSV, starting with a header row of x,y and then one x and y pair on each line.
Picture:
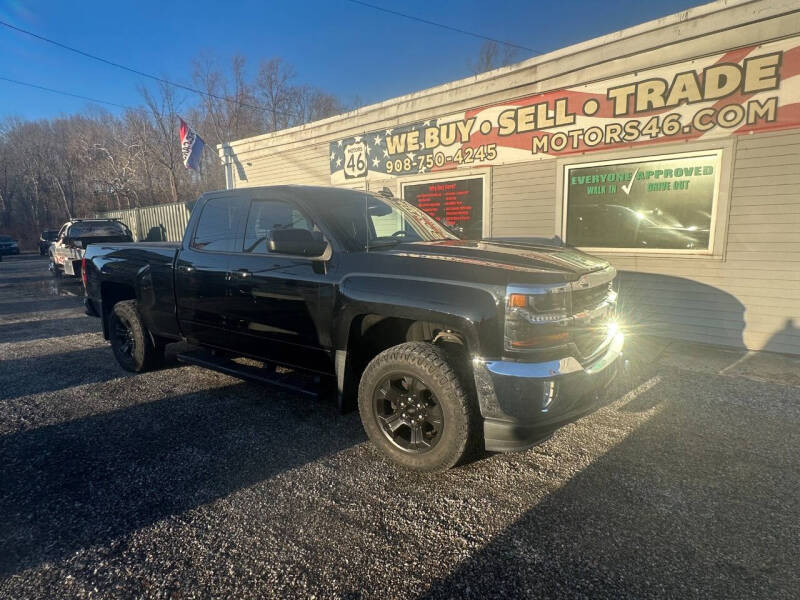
x,y
614,225
8,245
47,237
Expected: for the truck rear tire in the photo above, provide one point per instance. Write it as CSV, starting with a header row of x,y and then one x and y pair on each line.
x,y
416,410
131,342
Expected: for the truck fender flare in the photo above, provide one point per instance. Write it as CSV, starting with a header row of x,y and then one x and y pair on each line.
x,y
469,309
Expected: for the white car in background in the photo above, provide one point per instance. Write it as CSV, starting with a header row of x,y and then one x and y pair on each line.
x,y
67,251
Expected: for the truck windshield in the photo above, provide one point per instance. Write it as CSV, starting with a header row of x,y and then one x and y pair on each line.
x,y
367,221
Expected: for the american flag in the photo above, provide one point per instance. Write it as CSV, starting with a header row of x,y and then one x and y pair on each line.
x,y
191,146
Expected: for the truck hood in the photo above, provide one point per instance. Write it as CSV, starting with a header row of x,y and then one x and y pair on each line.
x,y
515,257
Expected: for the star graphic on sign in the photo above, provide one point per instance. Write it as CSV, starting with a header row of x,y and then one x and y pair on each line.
x,y
333,156
377,140
338,162
385,153
426,123
357,138
422,169
376,161
388,132
411,155
340,143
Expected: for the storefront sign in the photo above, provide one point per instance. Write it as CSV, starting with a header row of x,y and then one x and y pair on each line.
x,y
756,88
457,203
657,203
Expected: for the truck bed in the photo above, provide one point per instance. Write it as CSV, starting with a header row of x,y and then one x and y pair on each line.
x,y
143,266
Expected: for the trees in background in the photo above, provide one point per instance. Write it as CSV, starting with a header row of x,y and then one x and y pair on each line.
x,y
492,56
74,166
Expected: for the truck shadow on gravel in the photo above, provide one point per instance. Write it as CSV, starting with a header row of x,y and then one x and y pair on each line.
x,y
97,479
700,496
35,306
26,331
53,372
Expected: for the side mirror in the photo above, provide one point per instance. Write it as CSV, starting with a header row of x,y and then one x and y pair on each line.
x,y
300,242
377,209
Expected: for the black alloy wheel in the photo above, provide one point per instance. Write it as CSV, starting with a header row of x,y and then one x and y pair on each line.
x,y
408,413
124,339
134,348
417,407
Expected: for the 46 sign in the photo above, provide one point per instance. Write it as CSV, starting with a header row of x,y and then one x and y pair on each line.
x,y
355,160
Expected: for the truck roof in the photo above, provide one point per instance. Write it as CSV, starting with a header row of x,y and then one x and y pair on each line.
x,y
306,192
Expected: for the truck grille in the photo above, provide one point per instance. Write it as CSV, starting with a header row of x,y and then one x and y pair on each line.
x,y
590,337
589,341
589,298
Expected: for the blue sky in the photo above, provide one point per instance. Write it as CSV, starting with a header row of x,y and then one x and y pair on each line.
x,y
338,46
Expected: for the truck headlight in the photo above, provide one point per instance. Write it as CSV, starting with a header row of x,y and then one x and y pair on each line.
x,y
536,320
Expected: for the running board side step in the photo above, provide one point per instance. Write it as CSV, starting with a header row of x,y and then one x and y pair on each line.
x,y
306,384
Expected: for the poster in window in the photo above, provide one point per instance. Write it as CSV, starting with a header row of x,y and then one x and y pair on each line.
x,y
661,203
457,203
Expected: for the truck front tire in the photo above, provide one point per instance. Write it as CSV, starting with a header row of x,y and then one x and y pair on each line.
x,y
131,342
416,409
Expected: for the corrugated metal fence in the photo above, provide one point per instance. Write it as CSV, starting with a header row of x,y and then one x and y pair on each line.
x,y
153,223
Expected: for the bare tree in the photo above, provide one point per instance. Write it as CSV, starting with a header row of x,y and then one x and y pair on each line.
x,y
230,103
491,56
275,90
53,169
114,159
159,134
312,104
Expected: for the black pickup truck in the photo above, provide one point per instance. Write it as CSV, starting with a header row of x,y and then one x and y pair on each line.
x,y
446,346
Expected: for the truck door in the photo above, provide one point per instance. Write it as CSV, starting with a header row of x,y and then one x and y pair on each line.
x,y
275,310
202,266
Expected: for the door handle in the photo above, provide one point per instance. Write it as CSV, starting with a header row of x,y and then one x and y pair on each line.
x,y
243,273
186,268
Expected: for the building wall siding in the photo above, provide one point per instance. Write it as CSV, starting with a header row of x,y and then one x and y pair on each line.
x,y
523,199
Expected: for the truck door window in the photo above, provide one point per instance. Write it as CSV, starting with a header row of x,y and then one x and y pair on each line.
x,y
267,215
219,227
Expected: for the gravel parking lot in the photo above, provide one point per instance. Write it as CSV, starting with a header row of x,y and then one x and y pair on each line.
x,y
184,483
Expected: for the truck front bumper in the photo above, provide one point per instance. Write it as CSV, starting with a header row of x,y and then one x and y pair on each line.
x,y
523,403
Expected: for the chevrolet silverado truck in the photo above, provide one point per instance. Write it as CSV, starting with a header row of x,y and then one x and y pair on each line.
x,y
66,252
445,346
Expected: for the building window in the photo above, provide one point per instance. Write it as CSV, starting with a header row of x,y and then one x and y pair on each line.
x,y
458,203
659,203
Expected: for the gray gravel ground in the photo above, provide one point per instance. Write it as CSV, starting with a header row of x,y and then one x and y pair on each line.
x,y
184,483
